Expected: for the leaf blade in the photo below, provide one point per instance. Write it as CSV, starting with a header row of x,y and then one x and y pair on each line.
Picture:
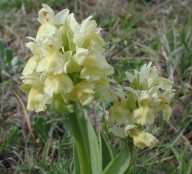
x,y
120,163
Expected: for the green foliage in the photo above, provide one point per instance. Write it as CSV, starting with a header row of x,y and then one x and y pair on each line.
x,y
87,146
59,105
8,55
18,4
10,139
41,129
120,163
107,154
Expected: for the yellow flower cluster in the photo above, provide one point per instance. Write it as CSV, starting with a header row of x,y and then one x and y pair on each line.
x,y
67,62
147,96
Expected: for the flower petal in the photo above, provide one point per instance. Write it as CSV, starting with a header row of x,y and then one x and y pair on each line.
x,y
31,65
164,83
61,17
34,48
44,31
32,79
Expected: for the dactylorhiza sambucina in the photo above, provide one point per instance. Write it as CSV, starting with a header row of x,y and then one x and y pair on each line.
x,y
67,62
148,97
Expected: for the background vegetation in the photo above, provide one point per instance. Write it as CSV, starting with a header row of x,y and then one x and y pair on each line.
x,y
136,32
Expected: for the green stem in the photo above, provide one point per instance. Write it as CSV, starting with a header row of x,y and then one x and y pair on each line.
x,y
75,128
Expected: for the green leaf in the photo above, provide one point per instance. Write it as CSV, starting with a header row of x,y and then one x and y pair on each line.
x,y
9,55
131,101
91,144
86,142
10,139
120,163
58,104
76,169
1,50
40,129
25,88
107,154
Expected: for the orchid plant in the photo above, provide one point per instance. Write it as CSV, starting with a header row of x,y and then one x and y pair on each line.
x,y
68,70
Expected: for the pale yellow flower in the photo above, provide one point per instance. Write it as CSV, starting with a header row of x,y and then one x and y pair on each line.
x,y
32,79
67,61
34,48
141,139
61,17
46,15
164,83
147,97
54,62
148,77
69,29
119,113
36,99
46,30
71,65
95,66
144,139
31,65
56,84
81,56
82,92
88,36
72,24
143,115
54,41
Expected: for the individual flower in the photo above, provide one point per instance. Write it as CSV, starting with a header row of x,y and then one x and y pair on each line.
x,y
33,79
148,97
141,139
95,67
36,99
56,84
119,112
83,92
53,63
88,36
46,15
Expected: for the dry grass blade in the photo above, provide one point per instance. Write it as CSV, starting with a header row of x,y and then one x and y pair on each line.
x,y
25,115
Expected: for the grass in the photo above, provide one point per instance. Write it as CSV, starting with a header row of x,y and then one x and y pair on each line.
x,y
135,32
